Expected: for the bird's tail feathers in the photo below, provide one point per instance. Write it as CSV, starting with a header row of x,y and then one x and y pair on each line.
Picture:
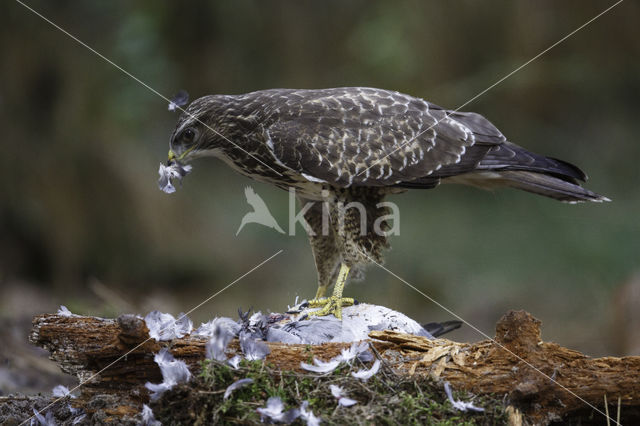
x,y
509,156
549,186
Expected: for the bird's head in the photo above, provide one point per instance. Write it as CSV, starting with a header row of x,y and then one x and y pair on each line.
x,y
201,129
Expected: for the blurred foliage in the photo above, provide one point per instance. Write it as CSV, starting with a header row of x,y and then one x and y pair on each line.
x,y
82,143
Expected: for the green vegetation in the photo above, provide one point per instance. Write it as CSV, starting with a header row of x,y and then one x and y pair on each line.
x,y
384,399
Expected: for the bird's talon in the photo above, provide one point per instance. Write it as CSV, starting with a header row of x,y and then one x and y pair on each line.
x,y
330,305
316,303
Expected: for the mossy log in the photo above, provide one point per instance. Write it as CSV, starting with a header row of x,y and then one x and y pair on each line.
x,y
510,366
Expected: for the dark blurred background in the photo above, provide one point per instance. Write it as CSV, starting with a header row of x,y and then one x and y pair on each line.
x,y
82,222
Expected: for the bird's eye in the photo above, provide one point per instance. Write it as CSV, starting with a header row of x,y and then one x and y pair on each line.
x,y
188,135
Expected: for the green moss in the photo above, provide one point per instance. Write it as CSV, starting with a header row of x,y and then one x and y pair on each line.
x,y
384,399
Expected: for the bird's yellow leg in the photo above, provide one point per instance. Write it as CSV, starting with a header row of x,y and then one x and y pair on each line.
x,y
334,303
322,289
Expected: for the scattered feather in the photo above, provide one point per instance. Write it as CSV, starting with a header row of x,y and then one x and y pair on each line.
x,y
236,385
274,411
295,303
46,420
216,346
457,404
63,311
253,349
78,419
157,389
338,393
307,415
367,374
274,407
165,327
148,419
78,414
184,325
161,326
356,348
297,306
366,356
346,402
321,366
179,99
61,391
74,411
173,372
175,170
235,362
207,329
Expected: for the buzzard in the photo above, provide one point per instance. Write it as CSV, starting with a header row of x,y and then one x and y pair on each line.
x,y
356,145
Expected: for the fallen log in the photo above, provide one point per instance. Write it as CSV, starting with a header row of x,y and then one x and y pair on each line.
x,y
544,381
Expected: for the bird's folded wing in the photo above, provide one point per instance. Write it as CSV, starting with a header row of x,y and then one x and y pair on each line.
x,y
376,139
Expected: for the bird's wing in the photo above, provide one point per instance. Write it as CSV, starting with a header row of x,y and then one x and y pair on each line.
x,y
363,136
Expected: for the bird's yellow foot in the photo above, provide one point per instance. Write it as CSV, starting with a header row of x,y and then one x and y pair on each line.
x,y
330,305
334,303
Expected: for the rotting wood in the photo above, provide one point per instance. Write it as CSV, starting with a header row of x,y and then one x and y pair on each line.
x,y
514,365
84,345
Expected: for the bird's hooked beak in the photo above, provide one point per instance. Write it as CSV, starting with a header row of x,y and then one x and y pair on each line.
x,y
173,157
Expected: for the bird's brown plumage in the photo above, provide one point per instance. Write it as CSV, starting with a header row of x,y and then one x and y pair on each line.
x,y
359,144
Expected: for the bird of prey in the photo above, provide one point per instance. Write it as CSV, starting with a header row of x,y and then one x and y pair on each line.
x,y
358,144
